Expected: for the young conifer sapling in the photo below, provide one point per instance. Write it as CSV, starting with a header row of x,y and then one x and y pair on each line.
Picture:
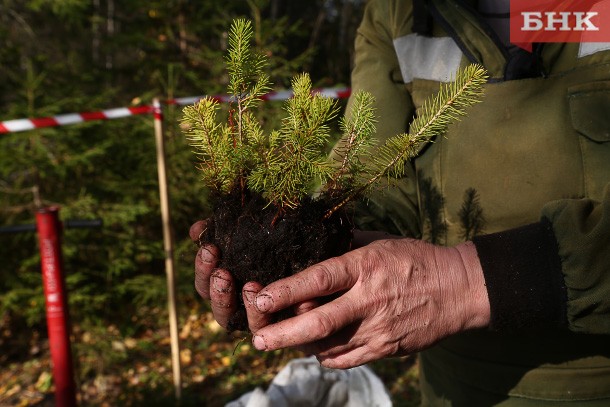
x,y
280,203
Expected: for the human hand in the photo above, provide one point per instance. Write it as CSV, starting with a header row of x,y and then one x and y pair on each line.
x,y
257,320
217,285
395,297
212,284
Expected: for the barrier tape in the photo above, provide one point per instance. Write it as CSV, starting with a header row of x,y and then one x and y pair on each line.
x,y
17,125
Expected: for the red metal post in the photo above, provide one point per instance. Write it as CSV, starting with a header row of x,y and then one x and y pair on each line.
x,y
49,231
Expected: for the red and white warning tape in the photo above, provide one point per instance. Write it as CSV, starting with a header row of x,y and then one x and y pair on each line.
x,y
13,126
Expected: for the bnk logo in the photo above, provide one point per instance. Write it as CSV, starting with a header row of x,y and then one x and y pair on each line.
x,y
559,21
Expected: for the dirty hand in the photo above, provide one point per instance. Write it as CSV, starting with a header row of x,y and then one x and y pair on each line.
x,y
216,284
392,297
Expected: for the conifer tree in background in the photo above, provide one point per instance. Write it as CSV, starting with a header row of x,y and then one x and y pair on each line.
x,y
270,178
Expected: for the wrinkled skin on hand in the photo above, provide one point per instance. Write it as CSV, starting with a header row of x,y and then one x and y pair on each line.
x,y
391,297
396,297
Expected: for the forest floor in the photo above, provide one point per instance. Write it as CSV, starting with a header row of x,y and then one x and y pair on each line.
x,y
113,368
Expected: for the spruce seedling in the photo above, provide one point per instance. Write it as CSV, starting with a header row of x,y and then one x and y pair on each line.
x,y
280,202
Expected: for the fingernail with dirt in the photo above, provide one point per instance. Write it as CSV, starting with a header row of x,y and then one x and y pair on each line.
x,y
206,255
220,284
264,302
250,296
259,343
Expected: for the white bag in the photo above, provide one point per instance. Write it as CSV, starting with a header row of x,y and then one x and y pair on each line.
x,y
305,383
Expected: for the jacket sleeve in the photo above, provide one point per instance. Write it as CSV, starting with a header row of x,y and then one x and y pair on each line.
x,y
555,273
582,230
376,70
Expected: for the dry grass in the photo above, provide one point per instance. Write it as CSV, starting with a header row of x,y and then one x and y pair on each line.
x,y
117,369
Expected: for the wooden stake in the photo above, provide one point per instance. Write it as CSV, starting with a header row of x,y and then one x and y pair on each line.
x,y
168,246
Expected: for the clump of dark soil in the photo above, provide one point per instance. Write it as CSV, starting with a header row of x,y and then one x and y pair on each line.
x,y
259,244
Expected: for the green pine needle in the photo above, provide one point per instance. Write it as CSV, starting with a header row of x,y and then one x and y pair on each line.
x,y
434,118
296,160
358,129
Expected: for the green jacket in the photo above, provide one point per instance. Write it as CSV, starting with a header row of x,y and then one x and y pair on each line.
x,y
526,175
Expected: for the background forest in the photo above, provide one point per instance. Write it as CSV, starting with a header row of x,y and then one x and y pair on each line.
x,y
65,56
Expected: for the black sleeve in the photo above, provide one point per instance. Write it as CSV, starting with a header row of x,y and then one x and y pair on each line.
x,y
522,270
